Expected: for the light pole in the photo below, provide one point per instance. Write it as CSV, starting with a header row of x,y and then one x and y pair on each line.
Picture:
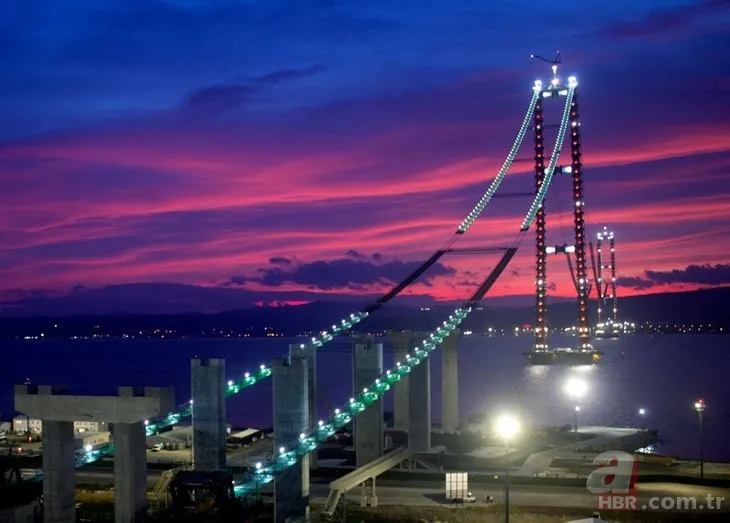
x,y
700,408
507,428
576,388
642,413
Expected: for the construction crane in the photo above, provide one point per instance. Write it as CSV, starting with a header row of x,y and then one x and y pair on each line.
x,y
554,62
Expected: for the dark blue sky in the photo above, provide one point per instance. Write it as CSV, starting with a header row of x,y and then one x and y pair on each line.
x,y
191,142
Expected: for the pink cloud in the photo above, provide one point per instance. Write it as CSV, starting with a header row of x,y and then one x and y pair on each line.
x,y
197,207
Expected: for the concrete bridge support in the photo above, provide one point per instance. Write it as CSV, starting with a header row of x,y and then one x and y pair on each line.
x,y
310,353
419,408
59,472
368,432
208,378
450,382
126,412
400,340
291,418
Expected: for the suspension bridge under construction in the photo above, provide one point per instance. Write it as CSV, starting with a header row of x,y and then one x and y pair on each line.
x,y
139,413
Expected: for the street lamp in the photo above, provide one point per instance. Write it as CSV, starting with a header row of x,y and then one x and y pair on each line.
x,y
576,388
507,427
642,412
700,408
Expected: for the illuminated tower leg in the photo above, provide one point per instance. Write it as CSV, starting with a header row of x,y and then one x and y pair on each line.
x,y
540,255
580,252
599,283
613,280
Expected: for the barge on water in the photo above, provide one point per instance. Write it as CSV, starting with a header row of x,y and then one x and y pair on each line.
x,y
607,330
564,356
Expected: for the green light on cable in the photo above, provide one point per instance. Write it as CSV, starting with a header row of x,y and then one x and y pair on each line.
x,y
309,442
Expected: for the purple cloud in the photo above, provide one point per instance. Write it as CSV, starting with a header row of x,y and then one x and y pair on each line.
x,y
354,271
718,274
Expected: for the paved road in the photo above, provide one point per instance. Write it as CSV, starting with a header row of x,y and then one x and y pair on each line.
x,y
428,494
394,492
105,476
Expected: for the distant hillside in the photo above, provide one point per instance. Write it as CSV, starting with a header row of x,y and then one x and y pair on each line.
x,y
705,306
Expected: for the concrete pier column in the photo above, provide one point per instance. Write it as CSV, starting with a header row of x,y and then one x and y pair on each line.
x,y
130,473
59,473
309,352
291,418
419,408
126,411
208,385
400,340
450,382
368,426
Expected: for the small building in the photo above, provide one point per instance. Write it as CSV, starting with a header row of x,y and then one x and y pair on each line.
x,y
93,439
21,424
91,426
245,436
181,437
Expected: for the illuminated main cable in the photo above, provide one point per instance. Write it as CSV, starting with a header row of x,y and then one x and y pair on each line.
x,y
361,402
479,207
337,421
153,426
310,441
553,160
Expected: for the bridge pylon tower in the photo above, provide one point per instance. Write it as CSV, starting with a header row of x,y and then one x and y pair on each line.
x,y
604,285
569,129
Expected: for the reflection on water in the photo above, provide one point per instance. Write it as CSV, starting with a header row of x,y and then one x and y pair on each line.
x,y
663,375
537,372
584,369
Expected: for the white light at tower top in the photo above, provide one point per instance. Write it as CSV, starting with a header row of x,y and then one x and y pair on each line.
x,y
605,234
572,81
538,86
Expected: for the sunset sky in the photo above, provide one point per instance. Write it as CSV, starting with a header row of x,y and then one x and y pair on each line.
x,y
258,152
